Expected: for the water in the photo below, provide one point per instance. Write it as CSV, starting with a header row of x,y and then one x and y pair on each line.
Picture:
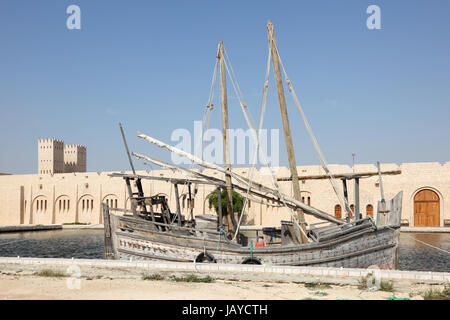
x,y
416,256
88,244
66,243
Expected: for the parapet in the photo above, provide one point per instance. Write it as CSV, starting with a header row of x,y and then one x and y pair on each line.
x,y
49,140
74,147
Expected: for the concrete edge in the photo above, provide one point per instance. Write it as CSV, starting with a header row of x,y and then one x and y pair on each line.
x,y
34,227
189,267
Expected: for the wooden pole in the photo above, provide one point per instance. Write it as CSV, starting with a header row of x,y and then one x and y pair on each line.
x,y
219,200
226,154
347,209
130,193
343,175
357,214
137,181
108,247
177,200
286,127
126,148
191,205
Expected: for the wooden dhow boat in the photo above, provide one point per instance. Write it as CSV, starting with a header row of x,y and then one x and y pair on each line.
x,y
143,233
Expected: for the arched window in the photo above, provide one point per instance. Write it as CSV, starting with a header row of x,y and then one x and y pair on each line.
x,y
369,210
41,204
63,204
87,204
309,201
110,200
337,211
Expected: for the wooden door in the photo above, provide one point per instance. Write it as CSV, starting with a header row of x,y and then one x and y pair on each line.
x,y
426,209
369,210
337,211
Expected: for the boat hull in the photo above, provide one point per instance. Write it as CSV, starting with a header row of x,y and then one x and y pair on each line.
x,y
137,239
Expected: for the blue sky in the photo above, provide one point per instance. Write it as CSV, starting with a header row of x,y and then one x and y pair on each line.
x,y
383,94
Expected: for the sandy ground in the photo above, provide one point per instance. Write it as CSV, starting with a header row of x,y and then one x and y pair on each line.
x,y
19,282
32,287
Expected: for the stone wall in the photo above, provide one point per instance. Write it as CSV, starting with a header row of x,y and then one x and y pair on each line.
x,y
77,197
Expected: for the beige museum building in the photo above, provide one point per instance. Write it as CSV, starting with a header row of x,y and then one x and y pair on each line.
x,y
62,192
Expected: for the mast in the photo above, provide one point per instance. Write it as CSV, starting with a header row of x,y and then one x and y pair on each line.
x,y
286,128
226,153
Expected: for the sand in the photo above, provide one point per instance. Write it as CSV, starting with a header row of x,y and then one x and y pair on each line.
x,y
24,285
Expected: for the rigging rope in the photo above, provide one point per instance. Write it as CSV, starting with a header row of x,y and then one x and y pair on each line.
x,y
331,178
206,119
261,120
257,138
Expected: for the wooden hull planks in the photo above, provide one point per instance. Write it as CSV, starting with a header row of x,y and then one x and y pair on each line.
x,y
133,238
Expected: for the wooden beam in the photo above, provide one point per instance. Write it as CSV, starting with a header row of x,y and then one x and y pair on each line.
x,y
342,175
191,205
226,151
219,200
177,200
130,193
210,180
261,189
108,247
347,209
357,212
286,128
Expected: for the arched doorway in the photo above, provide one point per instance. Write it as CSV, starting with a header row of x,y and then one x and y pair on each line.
x,y
426,209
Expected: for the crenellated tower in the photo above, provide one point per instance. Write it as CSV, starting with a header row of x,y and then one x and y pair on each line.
x,y
74,158
55,157
50,156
